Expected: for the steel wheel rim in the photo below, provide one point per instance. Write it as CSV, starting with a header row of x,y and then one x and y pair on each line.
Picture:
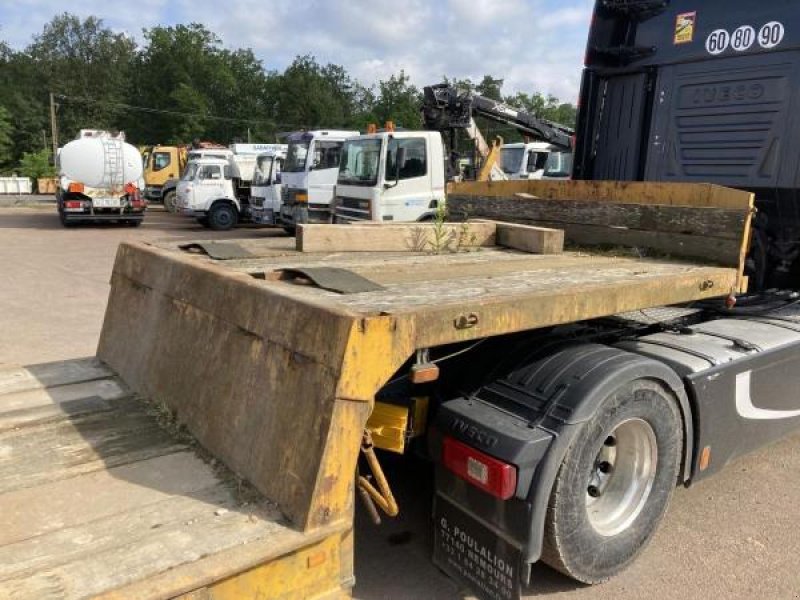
x,y
621,477
224,217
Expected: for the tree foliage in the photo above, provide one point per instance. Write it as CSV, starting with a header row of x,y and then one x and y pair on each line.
x,y
181,83
6,142
36,164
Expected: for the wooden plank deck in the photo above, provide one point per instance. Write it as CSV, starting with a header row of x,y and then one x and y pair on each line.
x,y
508,290
96,498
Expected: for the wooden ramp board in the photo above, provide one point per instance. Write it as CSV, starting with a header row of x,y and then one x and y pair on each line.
x,y
96,498
695,221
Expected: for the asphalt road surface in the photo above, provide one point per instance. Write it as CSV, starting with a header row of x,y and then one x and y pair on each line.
x,y
734,536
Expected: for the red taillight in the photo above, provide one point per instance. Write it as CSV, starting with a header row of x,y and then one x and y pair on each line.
x,y
73,204
481,470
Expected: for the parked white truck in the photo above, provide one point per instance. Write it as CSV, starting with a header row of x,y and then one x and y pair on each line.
x,y
535,160
309,176
100,178
215,187
391,176
265,192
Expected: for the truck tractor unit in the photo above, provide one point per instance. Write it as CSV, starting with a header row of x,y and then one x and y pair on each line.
x,y
100,178
215,188
535,160
163,166
309,175
700,92
265,191
391,176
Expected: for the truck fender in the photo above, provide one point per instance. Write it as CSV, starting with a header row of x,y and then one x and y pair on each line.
x,y
587,375
169,185
234,203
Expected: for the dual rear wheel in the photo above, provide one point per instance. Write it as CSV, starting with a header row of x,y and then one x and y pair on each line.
x,y
614,484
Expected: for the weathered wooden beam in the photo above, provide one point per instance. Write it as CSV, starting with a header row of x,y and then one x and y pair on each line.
x,y
411,237
722,250
620,192
538,240
699,230
716,222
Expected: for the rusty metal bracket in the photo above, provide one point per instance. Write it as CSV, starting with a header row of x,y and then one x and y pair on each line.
x,y
382,496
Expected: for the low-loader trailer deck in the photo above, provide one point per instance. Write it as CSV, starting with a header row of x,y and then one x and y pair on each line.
x,y
558,429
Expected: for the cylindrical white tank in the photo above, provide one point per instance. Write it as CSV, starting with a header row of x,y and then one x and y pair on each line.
x,y
101,162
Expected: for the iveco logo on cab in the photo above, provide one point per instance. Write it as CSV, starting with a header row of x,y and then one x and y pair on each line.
x,y
479,436
719,94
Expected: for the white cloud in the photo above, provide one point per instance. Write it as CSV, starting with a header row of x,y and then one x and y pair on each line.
x,y
534,45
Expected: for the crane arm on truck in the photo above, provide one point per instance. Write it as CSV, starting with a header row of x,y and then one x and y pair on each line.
x,y
445,107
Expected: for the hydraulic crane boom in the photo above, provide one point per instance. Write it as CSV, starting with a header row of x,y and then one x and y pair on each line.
x,y
446,107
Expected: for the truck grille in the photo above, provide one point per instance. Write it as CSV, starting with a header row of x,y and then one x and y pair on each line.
x,y
354,203
352,209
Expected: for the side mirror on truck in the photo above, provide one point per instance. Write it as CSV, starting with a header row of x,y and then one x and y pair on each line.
x,y
400,159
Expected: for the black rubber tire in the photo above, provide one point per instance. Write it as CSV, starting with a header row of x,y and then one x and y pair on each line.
x,y
169,199
222,217
291,230
203,221
134,223
64,221
572,545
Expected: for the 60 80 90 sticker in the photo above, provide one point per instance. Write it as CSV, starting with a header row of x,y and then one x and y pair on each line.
x,y
771,34
717,41
744,37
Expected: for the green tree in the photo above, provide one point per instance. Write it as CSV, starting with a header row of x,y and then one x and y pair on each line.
x,y
88,66
545,107
309,95
36,164
22,97
490,87
398,101
6,142
184,69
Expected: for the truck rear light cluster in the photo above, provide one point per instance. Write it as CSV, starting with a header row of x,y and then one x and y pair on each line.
x,y
134,196
481,470
73,204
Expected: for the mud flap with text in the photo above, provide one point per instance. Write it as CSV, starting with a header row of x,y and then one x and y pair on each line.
x,y
473,555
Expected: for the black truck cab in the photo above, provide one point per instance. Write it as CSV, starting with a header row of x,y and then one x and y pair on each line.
x,y
681,90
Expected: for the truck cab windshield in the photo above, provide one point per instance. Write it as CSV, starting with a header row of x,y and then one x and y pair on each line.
x,y
263,171
359,164
190,172
296,157
511,160
559,164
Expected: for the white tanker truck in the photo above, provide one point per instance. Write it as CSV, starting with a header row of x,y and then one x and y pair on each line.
x,y
100,178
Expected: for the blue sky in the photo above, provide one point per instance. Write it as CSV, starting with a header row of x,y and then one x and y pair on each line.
x,y
535,45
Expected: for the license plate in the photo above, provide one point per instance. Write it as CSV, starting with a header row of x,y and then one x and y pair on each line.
x,y
474,556
106,202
